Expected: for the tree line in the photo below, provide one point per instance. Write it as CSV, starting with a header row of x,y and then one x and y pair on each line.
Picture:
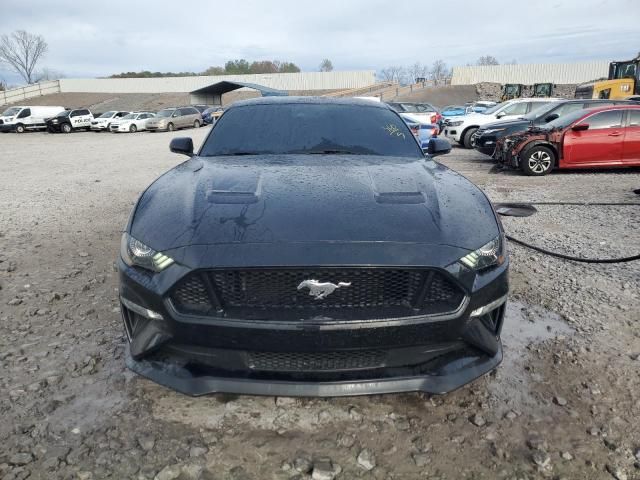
x,y
438,72
231,67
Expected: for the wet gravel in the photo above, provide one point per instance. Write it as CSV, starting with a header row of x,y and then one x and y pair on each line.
x,y
564,404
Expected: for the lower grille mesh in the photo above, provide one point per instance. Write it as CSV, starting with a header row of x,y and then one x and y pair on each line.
x,y
315,362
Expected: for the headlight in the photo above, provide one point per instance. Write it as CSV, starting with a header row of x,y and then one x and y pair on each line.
x,y
492,130
55,120
9,119
134,252
457,123
489,255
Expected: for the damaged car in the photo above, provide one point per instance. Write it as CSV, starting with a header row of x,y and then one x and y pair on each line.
x,y
605,137
310,248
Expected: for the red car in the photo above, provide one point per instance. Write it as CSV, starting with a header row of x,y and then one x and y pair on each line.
x,y
592,138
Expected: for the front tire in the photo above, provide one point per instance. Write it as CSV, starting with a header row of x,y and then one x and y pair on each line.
x,y
170,127
466,138
66,128
133,129
19,128
537,161
196,124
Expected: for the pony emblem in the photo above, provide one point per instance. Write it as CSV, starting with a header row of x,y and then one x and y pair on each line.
x,y
320,290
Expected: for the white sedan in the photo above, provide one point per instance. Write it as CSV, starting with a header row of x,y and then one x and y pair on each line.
x,y
131,123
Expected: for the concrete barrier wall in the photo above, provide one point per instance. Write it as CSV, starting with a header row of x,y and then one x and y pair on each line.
x,y
280,81
560,73
15,95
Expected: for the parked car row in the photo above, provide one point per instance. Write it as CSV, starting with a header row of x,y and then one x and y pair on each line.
x,y
486,137
20,119
538,135
603,137
463,128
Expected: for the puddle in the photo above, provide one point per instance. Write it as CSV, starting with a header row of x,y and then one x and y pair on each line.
x,y
524,325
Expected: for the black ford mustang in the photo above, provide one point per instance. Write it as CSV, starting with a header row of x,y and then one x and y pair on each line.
x,y
310,248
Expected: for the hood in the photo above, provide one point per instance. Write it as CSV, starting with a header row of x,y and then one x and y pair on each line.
x,y
519,122
312,199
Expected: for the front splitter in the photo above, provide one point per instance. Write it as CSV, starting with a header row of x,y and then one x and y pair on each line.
x,y
181,380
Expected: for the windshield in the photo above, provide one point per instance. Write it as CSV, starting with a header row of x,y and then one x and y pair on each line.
x,y
310,129
566,120
625,70
64,114
494,109
107,115
165,113
540,112
131,116
9,112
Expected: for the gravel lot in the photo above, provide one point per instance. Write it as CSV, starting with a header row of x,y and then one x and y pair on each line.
x,y
564,404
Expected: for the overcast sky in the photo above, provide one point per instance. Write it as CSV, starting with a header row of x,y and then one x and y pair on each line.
x,y
89,39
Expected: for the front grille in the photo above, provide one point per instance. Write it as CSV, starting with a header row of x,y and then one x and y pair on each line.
x,y
1,122
315,362
273,294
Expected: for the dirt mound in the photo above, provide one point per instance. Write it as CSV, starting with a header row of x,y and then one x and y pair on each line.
x,y
101,102
442,96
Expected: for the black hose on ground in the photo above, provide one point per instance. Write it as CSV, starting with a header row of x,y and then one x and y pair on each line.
x,y
517,208
569,257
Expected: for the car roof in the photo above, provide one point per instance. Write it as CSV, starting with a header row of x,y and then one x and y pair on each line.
x,y
624,106
286,100
597,100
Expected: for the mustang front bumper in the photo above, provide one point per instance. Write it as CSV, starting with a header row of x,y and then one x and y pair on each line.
x,y
197,355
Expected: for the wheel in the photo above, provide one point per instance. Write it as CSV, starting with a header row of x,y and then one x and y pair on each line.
x,y
537,160
19,128
466,138
196,124
133,129
170,127
66,128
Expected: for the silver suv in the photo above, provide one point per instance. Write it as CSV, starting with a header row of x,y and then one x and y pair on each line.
x,y
170,119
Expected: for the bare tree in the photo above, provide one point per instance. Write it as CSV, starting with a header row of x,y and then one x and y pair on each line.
x,y
326,65
22,51
488,60
416,71
48,74
439,72
392,74
3,85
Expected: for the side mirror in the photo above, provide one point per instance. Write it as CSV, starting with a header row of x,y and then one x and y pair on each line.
x,y
182,145
580,127
500,114
550,118
438,146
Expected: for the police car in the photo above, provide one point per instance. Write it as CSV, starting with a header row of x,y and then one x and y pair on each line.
x,y
70,120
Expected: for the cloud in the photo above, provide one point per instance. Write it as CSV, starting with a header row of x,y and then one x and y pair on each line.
x,y
99,39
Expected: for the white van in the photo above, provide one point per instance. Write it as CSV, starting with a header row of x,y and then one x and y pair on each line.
x,y
30,117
